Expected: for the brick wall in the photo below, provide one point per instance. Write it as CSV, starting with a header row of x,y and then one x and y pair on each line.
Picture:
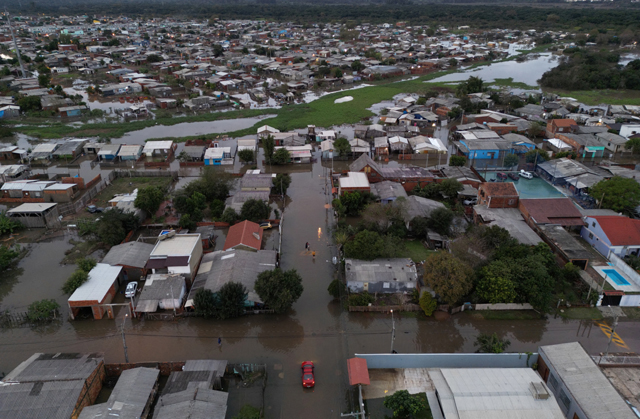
x,y
91,390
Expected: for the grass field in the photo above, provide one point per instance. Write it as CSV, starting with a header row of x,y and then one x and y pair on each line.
x,y
597,97
581,313
124,185
416,251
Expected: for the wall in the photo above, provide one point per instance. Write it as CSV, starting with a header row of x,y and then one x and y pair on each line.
x,y
525,306
599,240
505,360
573,408
91,390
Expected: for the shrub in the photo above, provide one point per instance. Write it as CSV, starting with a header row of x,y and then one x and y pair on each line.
x,y
403,404
428,304
86,264
336,288
362,299
76,279
42,310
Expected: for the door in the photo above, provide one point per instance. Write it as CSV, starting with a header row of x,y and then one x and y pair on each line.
x,y
611,300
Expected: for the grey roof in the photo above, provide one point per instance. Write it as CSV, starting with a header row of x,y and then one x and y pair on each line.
x,y
195,403
129,397
259,180
417,206
239,198
564,167
564,241
68,148
363,161
609,136
588,386
381,275
134,254
511,220
218,268
159,286
194,151
388,189
46,386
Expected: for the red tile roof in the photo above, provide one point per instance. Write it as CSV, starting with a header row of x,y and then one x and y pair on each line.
x,y
243,234
358,371
560,211
499,189
563,122
621,231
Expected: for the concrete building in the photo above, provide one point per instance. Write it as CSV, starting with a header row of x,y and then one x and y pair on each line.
x,y
560,211
564,245
508,218
161,291
353,182
245,235
51,386
95,295
132,256
176,254
498,195
582,390
388,191
381,275
612,234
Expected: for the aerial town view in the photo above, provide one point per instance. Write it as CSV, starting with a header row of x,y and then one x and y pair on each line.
x,y
366,209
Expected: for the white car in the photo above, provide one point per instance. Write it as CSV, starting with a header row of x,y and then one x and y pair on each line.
x,y
526,175
471,201
132,287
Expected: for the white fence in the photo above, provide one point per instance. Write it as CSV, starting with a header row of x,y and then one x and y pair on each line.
x,y
504,306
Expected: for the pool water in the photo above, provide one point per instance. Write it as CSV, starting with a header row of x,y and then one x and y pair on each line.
x,y
616,277
527,188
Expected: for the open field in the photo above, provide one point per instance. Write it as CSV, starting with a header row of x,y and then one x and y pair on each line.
x,y
124,185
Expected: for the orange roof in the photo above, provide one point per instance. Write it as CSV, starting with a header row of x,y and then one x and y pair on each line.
x,y
621,231
358,371
244,233
499,189
563,122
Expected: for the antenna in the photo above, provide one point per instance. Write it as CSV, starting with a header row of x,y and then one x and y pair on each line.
x,y
15,43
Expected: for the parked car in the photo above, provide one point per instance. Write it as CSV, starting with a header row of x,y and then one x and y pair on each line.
x,y
501,176
93,209
513,176
308,376
265,226
525,174
132,288
471,201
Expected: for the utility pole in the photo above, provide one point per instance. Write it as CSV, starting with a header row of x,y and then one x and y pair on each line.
x,y
173,302
613,332
124,341
15,44
393,331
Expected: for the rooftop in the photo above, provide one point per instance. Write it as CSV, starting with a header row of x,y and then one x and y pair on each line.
x,y
381,275
496,189
354,180
101,278
134,254
553,211
245,233
621,231
178,245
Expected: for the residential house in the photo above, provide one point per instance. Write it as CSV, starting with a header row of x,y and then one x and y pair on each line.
x,y
564,245
612,234
245,235
612,142
508,218
129,152
95,295
359,146
158,148
381,275
25,190
557,171
566,368
60,192
408,176
216,156
353,182
498,195
221,267
417,206
381,146
176,254
108,152
43,153
69,150
387,191
265,130
132,256
36,215
13,172
70,111
560,211
247,144
54,385
586,145
161,291
560,126
299,154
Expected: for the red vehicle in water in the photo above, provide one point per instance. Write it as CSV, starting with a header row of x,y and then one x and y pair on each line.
x,y
308,377
501,176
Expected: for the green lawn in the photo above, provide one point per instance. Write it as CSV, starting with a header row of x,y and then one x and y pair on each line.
x,y
127,185
416,251
510,83
581,313
632,312
596,97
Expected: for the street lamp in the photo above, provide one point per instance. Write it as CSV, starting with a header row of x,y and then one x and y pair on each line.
x,y
393,331
124,341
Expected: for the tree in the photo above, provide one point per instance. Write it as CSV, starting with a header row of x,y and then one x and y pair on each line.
x,y
634,145
279,289
231,297
457,161
453,62
511,160
205,303
281,183
352,203
246,155
217,208
342,146
43,80
471,85
281,156
491,344
618,194
449,188
336,288
403,404
149,199
366,245
419,227
76,279
535,129
9,225
30,103
186,222
495,236
154,58
440,220
428,304
212,184
229,216
357,66
255,210
448,276
86,264
536,155
268,144
495,288
111,228
42,310
248,412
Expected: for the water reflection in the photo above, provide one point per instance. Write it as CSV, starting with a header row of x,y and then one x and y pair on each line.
x,y
280,333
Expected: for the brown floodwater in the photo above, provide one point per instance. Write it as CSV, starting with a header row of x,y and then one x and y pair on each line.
x,y
317,328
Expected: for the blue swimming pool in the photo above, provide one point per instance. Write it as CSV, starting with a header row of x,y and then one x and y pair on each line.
x,y
617,278
528,188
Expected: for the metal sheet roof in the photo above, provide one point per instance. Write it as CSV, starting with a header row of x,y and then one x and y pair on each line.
x,y
31,208
358,371
101,278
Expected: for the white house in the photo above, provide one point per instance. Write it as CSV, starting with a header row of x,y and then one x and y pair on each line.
x,y
612,233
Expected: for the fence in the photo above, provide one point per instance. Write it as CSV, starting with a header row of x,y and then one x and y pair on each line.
x,y
74,207
10,320
617,360
146,173
504,360
403,307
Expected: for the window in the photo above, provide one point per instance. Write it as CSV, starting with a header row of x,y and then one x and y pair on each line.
x,y
511,202
590,235
566,402
593,224
553,382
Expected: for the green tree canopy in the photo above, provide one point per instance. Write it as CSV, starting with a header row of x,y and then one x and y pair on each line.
x,y
633,144
212,184
511,160
449,188
231,297
342,146
366,245
279,289
491,344
448,276
618,193
229,216
7,256
76,279
440,220
457,161
403,404
495,285
205,303
30,103
149,199
536,155
281,156
246,155
255,210
428,304
471,85
42,310
281,183
268,144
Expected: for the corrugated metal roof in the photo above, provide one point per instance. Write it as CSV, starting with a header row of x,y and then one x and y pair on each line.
x,y
133,254
31,208
358,371
101,278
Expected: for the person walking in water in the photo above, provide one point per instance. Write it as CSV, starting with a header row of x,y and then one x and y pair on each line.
x,y
220,342
306,246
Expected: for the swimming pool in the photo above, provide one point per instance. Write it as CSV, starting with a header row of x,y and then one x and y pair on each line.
x,y
527,188
616,277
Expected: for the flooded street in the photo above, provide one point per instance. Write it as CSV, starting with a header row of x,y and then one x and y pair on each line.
x,y
317,329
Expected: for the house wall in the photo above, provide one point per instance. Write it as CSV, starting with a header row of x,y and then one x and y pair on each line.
x,y
58,196
504,360
564,398
91,390
354,189
194,261
595,236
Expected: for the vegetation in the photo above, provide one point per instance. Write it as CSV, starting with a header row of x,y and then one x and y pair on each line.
x,y
281,183
369,245
111,228
9,225
403,404
231,300
255,210
336,288
248,412
448,276
618,194
246,155
229,216
281,156
8,256
511,160
76,279
362,299
536,155
352,203
205,303
86,264
149,199
457,161
440,220
428,304
491,344
42,310
212,184
342,146
279,289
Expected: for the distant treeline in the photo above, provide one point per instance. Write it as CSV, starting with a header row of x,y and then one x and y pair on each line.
x,y
586,70
570,17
